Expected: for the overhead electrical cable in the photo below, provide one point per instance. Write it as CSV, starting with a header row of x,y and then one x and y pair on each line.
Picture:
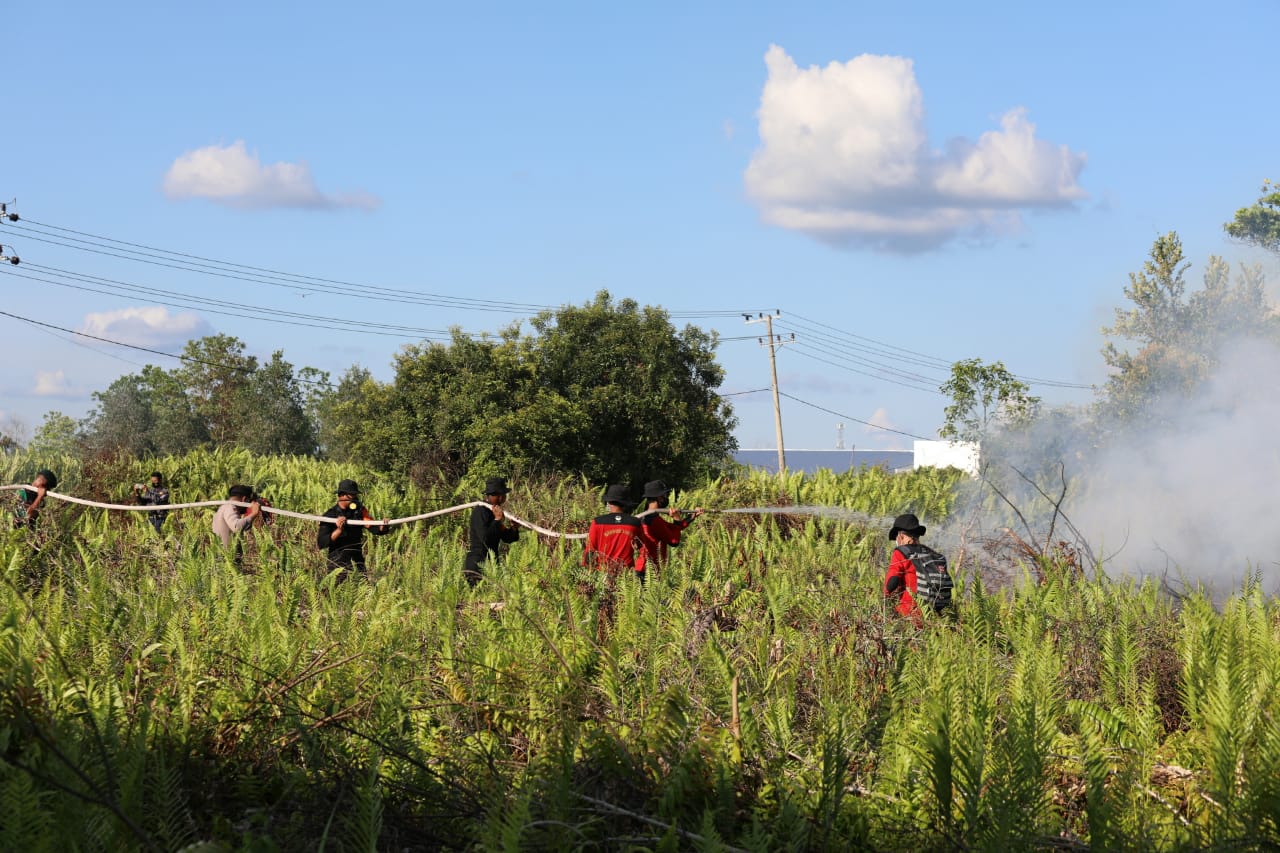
x,y
895,374
905,383
219,306
883,348
221,365
143,253
851,417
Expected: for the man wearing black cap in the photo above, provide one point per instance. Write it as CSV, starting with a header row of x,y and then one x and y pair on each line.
x,y
489,528
662,533
31,499
917,573
346,541
615,540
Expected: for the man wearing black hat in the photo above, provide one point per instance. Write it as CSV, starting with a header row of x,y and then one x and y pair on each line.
x,y
346,541
31,499
615,540
662,533
489,528
917,573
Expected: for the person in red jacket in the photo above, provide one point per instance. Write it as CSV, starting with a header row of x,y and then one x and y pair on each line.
x,y
900,582
615,540
662,523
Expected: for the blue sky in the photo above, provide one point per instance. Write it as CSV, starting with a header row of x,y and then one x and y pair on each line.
x,y
950,181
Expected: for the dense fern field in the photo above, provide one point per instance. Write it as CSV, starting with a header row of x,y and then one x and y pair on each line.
x,y
756,694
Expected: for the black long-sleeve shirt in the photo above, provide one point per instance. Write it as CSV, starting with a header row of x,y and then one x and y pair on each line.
x,y
487,534
347,546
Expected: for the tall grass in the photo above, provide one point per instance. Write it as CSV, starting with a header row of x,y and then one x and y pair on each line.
x,y
754,694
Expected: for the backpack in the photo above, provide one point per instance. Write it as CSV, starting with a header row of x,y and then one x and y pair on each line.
x,y
933,581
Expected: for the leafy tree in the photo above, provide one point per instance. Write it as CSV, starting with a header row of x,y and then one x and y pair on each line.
x,y
122,419
272,411
215,374
57,435
984,396
177,428
608,389
1177,336
1259,224
11,432
218,396
643,395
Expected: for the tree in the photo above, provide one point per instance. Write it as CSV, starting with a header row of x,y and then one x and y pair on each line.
x,y
217,396
1259,224
984,396
57,435
122,420
1177,336
11,432
608,390
176,427
271,410
642,394
216,374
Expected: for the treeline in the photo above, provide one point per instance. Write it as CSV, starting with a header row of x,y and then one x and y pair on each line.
x,y
607,390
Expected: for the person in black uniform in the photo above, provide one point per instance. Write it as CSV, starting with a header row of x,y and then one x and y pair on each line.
x,y
346,541
489,528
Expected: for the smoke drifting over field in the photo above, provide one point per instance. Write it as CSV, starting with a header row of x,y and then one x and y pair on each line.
x,y
1201,494
1195,497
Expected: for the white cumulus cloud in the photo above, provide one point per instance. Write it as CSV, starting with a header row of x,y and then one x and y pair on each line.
x,y
883,429
844,157
53,383
148,326
231,175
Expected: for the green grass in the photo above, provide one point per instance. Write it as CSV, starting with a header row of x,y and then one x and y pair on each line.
x,y
754,695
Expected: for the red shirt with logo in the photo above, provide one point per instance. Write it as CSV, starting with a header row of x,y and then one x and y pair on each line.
x,y
615,541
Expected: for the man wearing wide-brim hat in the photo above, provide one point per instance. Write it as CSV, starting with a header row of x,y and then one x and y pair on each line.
x,y
489,528
615,540
344,541
901,581
663,523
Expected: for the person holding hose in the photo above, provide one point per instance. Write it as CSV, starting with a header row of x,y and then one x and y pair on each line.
x,y
489,528
345,542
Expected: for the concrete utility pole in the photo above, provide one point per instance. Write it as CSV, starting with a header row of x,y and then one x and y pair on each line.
x,y
773,342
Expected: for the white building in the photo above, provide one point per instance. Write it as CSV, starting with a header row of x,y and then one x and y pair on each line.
x,y
943,454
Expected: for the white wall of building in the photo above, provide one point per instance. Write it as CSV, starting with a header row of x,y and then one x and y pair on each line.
x,y
942,454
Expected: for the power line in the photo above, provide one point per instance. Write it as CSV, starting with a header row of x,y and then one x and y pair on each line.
x,y
886,349
143,253
113,287
898,377
852,418
153,351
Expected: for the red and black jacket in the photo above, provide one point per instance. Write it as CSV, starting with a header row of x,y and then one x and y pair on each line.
x,y
615,541
661,533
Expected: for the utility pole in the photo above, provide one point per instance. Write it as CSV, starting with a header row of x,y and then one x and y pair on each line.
x,y
773,342
7,216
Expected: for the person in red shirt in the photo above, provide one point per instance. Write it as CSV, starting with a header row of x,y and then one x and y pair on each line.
x,y
615,540
662,523
900,582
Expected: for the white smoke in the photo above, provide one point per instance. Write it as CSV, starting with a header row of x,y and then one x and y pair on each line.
x,y
1197,496
1191,500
